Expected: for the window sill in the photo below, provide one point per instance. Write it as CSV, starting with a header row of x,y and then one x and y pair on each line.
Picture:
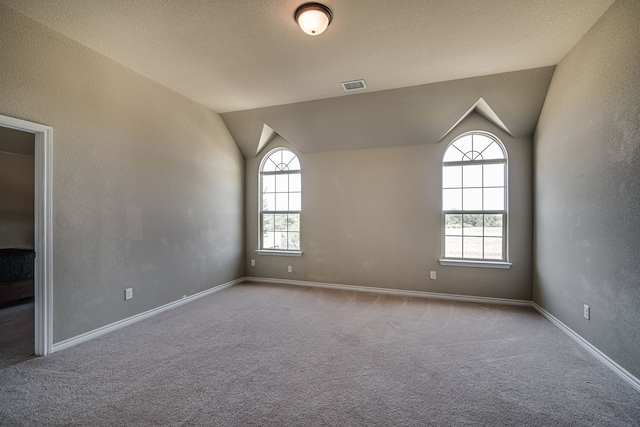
x,y
480,264
279,253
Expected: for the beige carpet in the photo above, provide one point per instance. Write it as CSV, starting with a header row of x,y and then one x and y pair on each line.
x,y
261,355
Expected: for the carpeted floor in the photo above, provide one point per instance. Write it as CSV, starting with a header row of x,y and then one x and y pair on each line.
x,y
263,355
16,332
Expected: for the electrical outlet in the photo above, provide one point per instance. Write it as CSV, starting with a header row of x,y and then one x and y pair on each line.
x,y
432,275
290,269
253,263
128,293
587,312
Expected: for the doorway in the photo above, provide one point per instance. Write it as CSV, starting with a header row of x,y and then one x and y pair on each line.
x,y
42,226
17,249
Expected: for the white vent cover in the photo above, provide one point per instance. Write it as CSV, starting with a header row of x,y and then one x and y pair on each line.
x,y
354,85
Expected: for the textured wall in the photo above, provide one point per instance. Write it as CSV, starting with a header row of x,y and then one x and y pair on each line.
x,y
587,157
372,218
16,200
147,185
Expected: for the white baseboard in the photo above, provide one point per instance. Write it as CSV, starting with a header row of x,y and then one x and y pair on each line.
x,y
70,342
606,360
387,291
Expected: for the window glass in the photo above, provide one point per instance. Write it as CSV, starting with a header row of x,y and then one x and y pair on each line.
x,y
474,173
452,177
281,196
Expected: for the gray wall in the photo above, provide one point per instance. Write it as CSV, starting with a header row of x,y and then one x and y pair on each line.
x,y
587,188
372,218
16,200
147,185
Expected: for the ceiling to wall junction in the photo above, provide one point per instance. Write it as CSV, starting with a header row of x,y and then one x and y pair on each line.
x,y
237,55
408,116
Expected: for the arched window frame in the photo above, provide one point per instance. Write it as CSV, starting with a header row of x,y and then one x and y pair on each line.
x,y
475,155
279,203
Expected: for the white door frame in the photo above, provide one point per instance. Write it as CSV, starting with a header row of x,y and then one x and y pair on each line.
x,y
43,266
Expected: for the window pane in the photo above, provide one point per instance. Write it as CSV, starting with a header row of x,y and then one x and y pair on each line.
x,y
281,222
453,247
287,156
282,183
268,202
452,200
472,176
452,155
452,177
293,222
269,165
268,240
472,225
294,165
494,199
493,248
281,192
493,225
453,224
494,175
268,222
480,186
268,183
464,144
472,199
282,201
295,203
272,162
480,143
293,241
472,247
492,152
279,240
295,182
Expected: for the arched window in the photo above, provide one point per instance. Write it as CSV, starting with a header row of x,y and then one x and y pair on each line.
x,y
474,198
280,201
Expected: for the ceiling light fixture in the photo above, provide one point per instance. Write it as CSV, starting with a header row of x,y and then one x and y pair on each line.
x,y
313,18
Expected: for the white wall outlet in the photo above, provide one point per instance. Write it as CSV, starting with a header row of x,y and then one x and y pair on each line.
x,y
253,263
587,312
432,275
128,293
289,269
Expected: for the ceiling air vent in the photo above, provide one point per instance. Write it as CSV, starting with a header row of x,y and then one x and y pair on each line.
x,y
354,85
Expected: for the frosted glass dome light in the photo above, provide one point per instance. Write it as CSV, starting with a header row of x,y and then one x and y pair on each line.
x,y
313,18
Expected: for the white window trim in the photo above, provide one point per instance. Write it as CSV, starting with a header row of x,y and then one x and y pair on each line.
x,y
278,253
451,262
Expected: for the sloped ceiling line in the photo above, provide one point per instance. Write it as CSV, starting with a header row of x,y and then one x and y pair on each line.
x,y
399,117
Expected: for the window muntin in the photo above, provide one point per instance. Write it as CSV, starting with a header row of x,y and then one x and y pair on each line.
x,y
280,201
474,198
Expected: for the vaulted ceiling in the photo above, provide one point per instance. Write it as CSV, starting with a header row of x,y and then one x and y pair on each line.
x,y
248,60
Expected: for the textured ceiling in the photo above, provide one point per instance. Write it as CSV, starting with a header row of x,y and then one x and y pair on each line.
x,y
235,55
